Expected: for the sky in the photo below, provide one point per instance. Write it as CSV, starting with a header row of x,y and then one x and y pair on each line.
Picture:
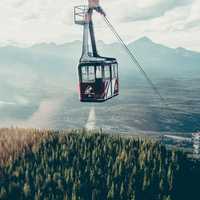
x,y
175,23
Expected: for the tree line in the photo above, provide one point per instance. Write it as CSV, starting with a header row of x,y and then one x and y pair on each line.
x,y
81,166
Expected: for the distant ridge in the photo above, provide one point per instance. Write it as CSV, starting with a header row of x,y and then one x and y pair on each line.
x,y
61,59
142,40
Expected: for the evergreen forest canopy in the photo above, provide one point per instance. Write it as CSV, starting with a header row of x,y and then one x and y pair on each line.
x,y
93,166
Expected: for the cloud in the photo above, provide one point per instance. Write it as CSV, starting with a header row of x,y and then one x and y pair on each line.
x,y
146,9
42,118
192,24
19,3
2,103
172,22
31,16
193,21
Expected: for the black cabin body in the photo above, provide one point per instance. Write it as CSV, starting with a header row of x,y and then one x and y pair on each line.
x,y
98,80
98,76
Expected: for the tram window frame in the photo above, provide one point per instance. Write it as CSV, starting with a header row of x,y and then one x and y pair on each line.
x,y
113,68
107,69
116,70
88,74
99,75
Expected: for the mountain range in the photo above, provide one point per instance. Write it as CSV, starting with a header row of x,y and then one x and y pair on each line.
x,y
60,61
36,79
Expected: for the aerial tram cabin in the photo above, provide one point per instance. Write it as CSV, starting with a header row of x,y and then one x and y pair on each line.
x,y
98,76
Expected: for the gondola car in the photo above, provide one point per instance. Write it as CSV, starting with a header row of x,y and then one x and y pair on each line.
x,y
98,76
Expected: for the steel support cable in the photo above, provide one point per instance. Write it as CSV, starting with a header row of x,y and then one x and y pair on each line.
x,y
135,61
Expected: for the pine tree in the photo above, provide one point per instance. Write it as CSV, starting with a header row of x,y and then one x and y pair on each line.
x,y
111,192
3,194
94,195
27,191
122,191
132,196
167,198
66,197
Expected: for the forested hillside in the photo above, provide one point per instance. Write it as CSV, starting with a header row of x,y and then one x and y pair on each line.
x,y
83,166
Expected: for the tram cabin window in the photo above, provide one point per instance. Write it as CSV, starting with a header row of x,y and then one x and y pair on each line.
x,y
114,72
106,71
88,74
99,73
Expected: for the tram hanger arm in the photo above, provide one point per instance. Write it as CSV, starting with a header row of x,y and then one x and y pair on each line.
x,y
94,5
